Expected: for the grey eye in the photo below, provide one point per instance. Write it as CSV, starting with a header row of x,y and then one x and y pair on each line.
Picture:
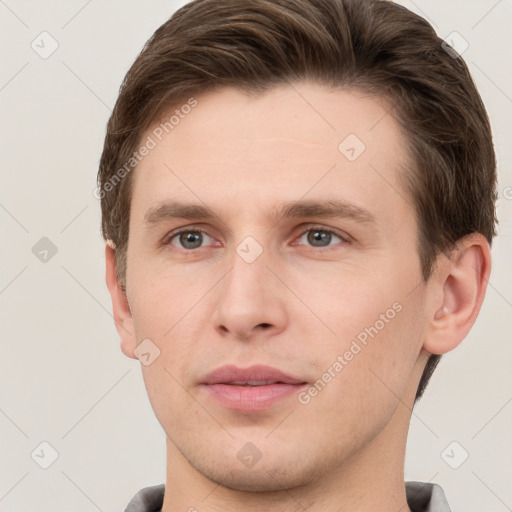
x,y
189,239
319,237
322,237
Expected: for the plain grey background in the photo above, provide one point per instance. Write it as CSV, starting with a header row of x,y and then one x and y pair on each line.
x,y
63,378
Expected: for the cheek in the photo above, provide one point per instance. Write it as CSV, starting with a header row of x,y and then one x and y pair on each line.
x,y
168,399
161,296
374,327
347,300
361,377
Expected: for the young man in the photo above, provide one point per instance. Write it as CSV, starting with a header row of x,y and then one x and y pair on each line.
x,y
298,199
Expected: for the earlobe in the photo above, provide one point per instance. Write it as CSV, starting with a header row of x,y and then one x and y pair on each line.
x,y
461,284
120,307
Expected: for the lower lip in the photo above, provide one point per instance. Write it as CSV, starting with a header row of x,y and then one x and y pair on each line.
x,y
251,398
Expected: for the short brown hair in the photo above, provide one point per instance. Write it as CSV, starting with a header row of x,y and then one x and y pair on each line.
x,y
374,46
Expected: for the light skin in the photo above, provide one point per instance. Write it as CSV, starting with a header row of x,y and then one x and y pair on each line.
x,y
297,307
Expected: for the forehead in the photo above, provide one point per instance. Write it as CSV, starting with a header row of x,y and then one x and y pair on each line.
x,y
292,141
304,117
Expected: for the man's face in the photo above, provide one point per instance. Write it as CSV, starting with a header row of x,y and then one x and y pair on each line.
x,y
335,302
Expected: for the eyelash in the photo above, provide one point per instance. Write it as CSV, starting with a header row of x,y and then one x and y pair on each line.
x,y
193,229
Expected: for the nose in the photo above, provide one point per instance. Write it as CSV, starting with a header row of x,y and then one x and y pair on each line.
x,y
250,299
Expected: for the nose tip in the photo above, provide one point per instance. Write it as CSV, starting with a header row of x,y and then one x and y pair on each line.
x,y
249,301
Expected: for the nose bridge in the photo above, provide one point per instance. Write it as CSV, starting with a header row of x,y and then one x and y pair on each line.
x,y
247,280
250,254
247,297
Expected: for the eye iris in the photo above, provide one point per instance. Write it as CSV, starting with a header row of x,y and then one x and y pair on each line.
x,y
319,236
193,237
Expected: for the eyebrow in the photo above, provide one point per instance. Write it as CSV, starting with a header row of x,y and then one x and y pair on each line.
x,y
332,208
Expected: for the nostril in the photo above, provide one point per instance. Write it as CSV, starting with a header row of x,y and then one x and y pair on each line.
x,y
265,325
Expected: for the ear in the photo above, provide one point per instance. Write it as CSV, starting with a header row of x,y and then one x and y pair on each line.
x,y
459,290
122,314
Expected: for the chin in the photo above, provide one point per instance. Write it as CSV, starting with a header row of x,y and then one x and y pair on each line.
x,y
253,480
265,476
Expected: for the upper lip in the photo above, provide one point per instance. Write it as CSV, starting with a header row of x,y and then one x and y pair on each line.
x,y
231,374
